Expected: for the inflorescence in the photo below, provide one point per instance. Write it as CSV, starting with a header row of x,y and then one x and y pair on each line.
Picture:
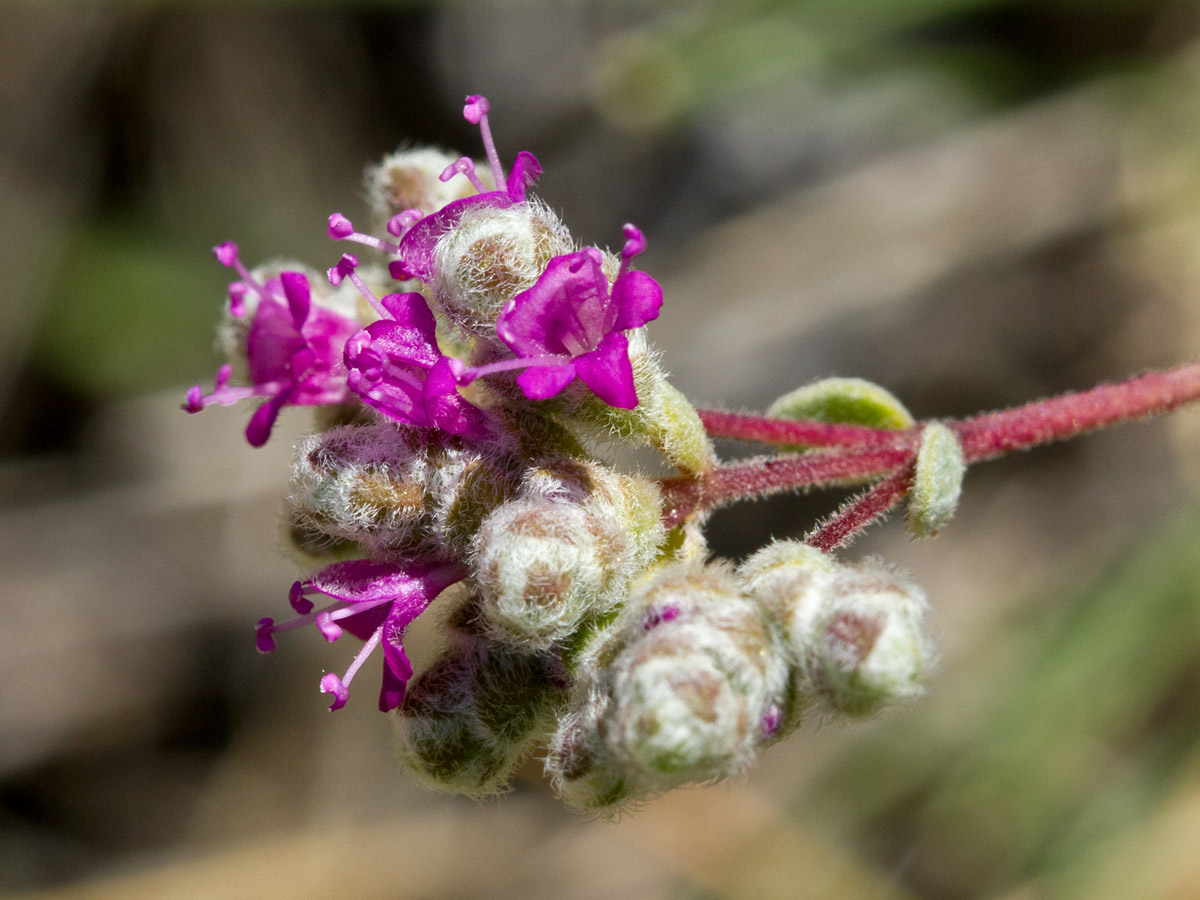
x,y
465,373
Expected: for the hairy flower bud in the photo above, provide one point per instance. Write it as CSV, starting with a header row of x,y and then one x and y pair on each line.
x,y
856,634
409,179
791,581
936,482
468,720
869,646
693,684
582,771
393,489
563,551
490,257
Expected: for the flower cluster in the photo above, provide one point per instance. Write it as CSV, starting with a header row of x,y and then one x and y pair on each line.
x,y
470,370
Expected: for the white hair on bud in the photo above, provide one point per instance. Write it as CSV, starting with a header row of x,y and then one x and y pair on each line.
x,y
386,487
869,646
470,718
492,256
409,179
692,683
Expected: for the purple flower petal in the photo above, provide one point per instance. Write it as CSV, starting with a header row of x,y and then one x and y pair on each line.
x,y
271,342
565,313
525,171
365,580
299,296
446,407
416,247
542,382
411,309
258,429
608,372
397,669
638,298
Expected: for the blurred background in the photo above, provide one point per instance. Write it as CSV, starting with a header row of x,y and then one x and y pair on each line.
x,y
972,202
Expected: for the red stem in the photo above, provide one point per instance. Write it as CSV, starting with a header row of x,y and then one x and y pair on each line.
x,y
860,511
859,452
807,432
772,474
994,434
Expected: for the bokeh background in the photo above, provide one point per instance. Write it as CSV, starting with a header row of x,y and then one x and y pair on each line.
x,y
972,202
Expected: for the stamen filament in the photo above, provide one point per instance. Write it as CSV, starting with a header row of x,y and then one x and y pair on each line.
x,y
506,365
490,146
464,166
367,648
308,618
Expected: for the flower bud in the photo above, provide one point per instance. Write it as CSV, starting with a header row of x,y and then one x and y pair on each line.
x,y
869,646
490,257
469,719
409,179
693,683
791,581
563,551
391,489
936,482
581,770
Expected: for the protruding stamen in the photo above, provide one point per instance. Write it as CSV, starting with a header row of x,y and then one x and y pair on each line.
x,y
224,395
227,255
345,266
339,227
299,602
340,687
635,245
476,112
345,269
194,400
332,684
399,224
464,166
329,629
263,640
237,299
342,229
465,376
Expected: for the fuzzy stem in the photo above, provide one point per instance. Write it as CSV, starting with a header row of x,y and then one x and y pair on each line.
x,y
773,474
994,434
860,511
808,432
858,452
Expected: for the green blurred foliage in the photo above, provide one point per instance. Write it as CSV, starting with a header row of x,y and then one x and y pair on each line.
x,y
133,312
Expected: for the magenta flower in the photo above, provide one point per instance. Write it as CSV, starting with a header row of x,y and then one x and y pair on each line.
x,y
395,366
293,349
375,602
570,324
